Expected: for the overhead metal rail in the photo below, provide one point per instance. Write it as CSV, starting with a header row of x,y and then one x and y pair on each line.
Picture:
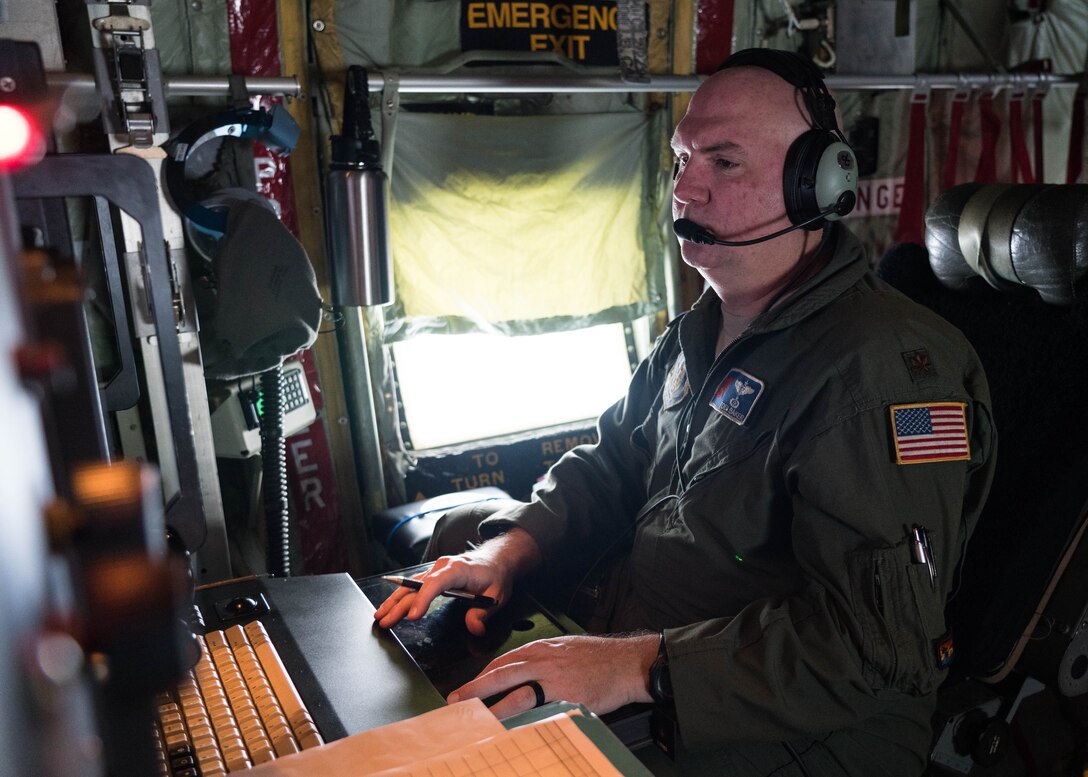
x,y
191,86
420,83
411,82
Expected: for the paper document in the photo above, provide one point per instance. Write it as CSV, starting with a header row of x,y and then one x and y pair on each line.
x,y
461,740
554,747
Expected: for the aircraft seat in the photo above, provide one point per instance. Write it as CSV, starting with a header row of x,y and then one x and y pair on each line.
x,y
1008,265
406,529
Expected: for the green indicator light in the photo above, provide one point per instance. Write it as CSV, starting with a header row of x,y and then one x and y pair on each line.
x,y
737,557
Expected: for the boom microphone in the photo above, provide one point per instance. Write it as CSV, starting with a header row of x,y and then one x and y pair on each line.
x,y
686,229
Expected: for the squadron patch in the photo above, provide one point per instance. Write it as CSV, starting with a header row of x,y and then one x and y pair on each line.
x,y
944,650
737,395
676,384
919,365
930,432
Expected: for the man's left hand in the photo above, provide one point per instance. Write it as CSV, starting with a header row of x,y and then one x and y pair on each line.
x,y
602,673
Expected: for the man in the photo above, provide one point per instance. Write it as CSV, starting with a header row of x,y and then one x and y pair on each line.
x,y
783,532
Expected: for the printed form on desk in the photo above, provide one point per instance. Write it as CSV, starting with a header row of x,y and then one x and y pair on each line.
x,y
461,740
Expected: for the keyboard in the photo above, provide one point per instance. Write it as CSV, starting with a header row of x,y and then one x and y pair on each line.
x,y
313,635
236,708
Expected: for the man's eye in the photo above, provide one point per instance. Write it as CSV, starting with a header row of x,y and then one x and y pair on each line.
x,y
677,166
725,164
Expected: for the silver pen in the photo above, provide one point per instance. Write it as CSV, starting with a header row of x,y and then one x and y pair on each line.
x,y
476,600
922,553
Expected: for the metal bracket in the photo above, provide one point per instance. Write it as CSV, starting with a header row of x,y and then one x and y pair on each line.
x,y
390,107
129,183
921,92
963,91
129,76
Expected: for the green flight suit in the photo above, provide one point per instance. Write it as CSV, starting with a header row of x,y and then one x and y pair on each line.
x,y
770,537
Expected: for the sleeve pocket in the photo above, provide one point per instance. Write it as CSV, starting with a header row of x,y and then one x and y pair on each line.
x,y
900,618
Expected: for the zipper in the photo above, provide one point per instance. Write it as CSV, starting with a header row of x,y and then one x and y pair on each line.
x,y
700,476
878,588
689,411
652,505
703,474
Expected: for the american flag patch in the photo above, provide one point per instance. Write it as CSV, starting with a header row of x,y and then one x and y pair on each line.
x,y
930,432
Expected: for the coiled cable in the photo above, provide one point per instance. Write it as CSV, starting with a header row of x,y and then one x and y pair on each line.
x,y
274,470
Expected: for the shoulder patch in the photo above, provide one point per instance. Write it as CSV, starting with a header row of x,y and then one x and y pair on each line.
x,y
676,384
919,365
737,395
926,432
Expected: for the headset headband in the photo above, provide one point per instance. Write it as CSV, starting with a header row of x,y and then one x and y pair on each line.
x,y
275,129
795,69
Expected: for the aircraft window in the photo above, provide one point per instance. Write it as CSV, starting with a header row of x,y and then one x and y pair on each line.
x,y
457,388
526,249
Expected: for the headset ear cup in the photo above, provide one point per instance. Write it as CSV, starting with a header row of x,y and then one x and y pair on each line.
x,y
799,175
820,172
837,180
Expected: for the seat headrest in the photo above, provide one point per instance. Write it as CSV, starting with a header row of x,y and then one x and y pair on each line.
x,y
1032,236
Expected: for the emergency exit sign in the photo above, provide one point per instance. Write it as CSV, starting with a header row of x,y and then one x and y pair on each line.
x,y
582,31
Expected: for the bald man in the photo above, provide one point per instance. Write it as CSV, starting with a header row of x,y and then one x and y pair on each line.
x,y
790,478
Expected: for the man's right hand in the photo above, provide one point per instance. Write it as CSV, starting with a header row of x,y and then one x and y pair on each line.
x,y
490,569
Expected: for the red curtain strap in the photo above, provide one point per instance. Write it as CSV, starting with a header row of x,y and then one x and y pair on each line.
x,y
955,125
1019,162
911,228
1075,163
1037,130
991,130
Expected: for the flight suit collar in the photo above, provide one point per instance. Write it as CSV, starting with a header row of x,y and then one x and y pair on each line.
x,y
846,267
698,329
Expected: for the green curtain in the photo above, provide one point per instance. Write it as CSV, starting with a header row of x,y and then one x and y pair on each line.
x,y
523,225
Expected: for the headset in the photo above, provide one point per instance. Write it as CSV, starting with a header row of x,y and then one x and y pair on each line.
x,y
819,180
262,302
275,129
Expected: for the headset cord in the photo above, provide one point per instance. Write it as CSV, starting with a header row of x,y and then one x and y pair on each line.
x,y
274,464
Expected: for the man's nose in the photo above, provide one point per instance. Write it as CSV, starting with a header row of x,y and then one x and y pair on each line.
x,y
687,186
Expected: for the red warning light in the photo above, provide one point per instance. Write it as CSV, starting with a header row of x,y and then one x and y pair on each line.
x,y
21,142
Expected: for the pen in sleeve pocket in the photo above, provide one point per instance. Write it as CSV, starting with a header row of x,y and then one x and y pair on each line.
x,y
922,553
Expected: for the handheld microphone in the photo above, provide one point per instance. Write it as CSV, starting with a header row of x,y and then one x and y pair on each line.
x,y
686,229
